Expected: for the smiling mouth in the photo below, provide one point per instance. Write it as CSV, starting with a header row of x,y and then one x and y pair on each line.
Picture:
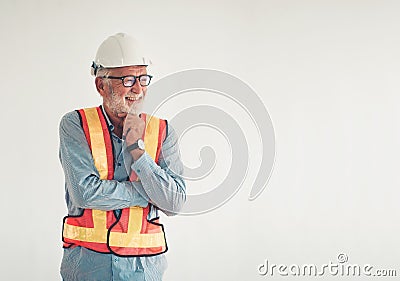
x,y
134,98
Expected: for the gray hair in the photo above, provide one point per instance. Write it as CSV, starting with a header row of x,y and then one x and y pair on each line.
x,y
104,72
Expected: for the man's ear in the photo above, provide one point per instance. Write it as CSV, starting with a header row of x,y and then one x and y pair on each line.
x,y
100,86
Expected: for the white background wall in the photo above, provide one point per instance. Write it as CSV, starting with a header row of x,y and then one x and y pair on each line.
x,y
328,72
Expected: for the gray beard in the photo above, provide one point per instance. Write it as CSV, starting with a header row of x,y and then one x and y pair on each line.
x,y
118,106
137,107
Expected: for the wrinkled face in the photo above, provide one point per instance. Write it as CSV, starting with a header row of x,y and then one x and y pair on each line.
x,y
118,99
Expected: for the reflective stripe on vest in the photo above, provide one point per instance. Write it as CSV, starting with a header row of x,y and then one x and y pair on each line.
x,y
131,234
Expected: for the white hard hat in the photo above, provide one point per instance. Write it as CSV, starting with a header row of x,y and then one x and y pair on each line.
x,y
119,50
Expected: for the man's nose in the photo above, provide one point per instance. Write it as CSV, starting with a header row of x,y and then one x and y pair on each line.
x,y
136,88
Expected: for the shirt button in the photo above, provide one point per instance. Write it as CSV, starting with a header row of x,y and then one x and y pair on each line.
x,y
119,141
138,170
115,259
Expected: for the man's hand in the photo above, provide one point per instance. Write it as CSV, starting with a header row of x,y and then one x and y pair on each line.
x,y
133,130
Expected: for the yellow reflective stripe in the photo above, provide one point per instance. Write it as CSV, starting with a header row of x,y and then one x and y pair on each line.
x,y
151,240
151,136
96,234
97,141
135,219
133,238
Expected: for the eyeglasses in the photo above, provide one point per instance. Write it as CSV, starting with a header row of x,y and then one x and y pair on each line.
x,y
130,80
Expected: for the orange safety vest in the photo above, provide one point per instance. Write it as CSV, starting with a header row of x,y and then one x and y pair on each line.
x,y
131,233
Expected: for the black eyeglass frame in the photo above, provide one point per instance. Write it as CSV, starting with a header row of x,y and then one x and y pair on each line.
x,y
122,78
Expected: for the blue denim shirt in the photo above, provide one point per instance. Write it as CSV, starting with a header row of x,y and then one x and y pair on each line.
x,y
160,185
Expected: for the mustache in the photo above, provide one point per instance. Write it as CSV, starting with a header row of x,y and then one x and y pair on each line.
x,y
137,96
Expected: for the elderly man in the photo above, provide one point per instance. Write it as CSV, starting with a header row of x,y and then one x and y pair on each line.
x,y
121,167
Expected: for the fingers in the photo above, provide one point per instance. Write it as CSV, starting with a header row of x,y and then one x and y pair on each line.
x,y
132,120
122,115
125,134
133,128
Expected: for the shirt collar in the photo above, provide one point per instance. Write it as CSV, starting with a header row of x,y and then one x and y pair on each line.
x,y
109,124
